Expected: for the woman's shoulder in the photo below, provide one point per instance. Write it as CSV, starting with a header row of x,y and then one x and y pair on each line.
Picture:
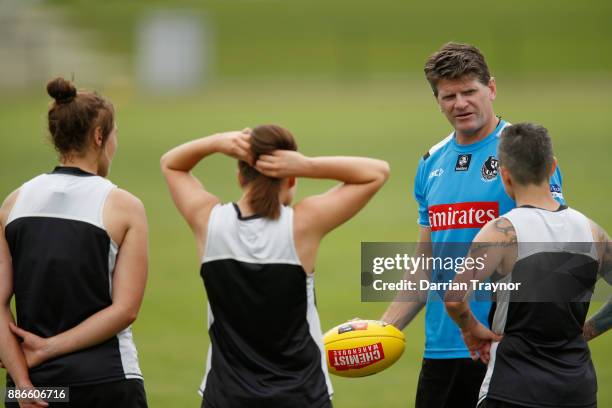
x,y
124,200
7,205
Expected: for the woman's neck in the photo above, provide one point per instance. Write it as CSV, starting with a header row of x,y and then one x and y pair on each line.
x,y
245,207
84,163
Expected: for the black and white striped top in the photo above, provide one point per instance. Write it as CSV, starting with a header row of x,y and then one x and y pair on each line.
x,y
266,342
63,262
542,359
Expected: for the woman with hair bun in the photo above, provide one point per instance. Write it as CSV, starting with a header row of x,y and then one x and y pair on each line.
x,y
73,252
258,258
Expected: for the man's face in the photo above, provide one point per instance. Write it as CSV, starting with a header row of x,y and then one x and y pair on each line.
x,y
466,103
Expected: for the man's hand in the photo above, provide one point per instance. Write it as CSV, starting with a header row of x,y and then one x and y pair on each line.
x,y
478,340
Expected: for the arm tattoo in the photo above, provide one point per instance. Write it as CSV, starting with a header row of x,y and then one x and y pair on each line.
x,y
588,330
605,268
478,246
506,227
464,319
599,323
501,225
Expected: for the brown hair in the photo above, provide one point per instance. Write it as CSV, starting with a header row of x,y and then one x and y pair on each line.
x,y
454,61
264,192
525,149
73,116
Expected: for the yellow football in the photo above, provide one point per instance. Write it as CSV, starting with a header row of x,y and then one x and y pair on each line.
x,y
362,347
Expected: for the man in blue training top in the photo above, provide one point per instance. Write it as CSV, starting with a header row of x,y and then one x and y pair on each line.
x,y
458,191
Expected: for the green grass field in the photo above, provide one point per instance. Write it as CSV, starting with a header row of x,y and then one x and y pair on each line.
x,y
344,39
393,120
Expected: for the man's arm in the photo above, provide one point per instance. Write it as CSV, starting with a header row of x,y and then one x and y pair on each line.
x,y
495,245
495,249
601,322
400,312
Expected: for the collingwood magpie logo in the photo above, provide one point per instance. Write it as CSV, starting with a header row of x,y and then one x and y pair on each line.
x,y
463,162
489,169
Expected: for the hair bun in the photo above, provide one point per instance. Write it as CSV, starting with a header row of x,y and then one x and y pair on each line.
x,y
61,90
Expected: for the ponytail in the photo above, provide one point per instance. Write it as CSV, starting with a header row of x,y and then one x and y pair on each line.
x,y
263,196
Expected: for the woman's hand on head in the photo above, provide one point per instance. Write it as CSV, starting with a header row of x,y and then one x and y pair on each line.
x,y
282,163
237,145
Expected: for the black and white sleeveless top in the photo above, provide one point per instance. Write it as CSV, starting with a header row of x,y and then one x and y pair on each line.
x,y
63,262
266,343
542,359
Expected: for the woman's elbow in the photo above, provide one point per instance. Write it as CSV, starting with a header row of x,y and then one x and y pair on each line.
x,y
385,170
127,315
163,162
382,174
130,318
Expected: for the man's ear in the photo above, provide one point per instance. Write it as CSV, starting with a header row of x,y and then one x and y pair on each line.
x,y
492,88
292,182
506,177
553,168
